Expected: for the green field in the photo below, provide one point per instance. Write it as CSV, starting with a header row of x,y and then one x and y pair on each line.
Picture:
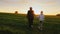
x,y
18,24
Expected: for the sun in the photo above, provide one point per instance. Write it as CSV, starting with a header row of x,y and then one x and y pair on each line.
x,y
36,10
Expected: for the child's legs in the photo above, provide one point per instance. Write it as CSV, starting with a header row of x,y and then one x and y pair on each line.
x,y
41,25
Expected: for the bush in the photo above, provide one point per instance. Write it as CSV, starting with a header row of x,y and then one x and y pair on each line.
x,y
58,15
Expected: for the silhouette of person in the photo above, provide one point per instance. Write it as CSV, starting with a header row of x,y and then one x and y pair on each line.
x,y
30,17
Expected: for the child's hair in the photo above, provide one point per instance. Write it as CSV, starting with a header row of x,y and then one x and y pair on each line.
x,y
41,11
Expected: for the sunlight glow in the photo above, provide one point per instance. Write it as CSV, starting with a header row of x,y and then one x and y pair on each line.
x,y
49,7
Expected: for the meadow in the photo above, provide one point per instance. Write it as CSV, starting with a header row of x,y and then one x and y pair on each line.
x,y
18,24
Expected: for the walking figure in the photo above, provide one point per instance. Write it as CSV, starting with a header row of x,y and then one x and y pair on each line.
x,y
41,19
30,17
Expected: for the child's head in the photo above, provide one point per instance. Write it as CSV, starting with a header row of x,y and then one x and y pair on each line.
x,y
41,12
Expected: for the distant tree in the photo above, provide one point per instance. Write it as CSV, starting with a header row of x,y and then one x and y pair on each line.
x,y
58,15
16,12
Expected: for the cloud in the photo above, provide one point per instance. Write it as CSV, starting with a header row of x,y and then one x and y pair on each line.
x,y
14,1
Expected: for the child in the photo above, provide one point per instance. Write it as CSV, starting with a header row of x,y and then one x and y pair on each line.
x,y
41,19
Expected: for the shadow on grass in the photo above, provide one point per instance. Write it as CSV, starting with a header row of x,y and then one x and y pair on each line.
x,y
21,28
5,32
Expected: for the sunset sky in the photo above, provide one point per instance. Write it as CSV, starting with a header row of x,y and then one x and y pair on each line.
x,y
49,7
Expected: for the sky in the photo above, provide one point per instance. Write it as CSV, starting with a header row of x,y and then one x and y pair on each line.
x,y
49,7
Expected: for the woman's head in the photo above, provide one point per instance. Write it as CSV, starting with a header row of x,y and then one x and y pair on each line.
x,y
30,8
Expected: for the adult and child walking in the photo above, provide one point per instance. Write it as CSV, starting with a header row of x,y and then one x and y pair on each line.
x,y
30,17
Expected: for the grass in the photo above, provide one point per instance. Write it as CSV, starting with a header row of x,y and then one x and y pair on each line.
x,y
18,24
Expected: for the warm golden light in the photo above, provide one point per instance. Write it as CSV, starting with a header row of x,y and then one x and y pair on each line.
x,y
49,7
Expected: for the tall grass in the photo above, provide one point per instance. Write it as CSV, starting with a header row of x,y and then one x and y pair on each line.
x,y
18,24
